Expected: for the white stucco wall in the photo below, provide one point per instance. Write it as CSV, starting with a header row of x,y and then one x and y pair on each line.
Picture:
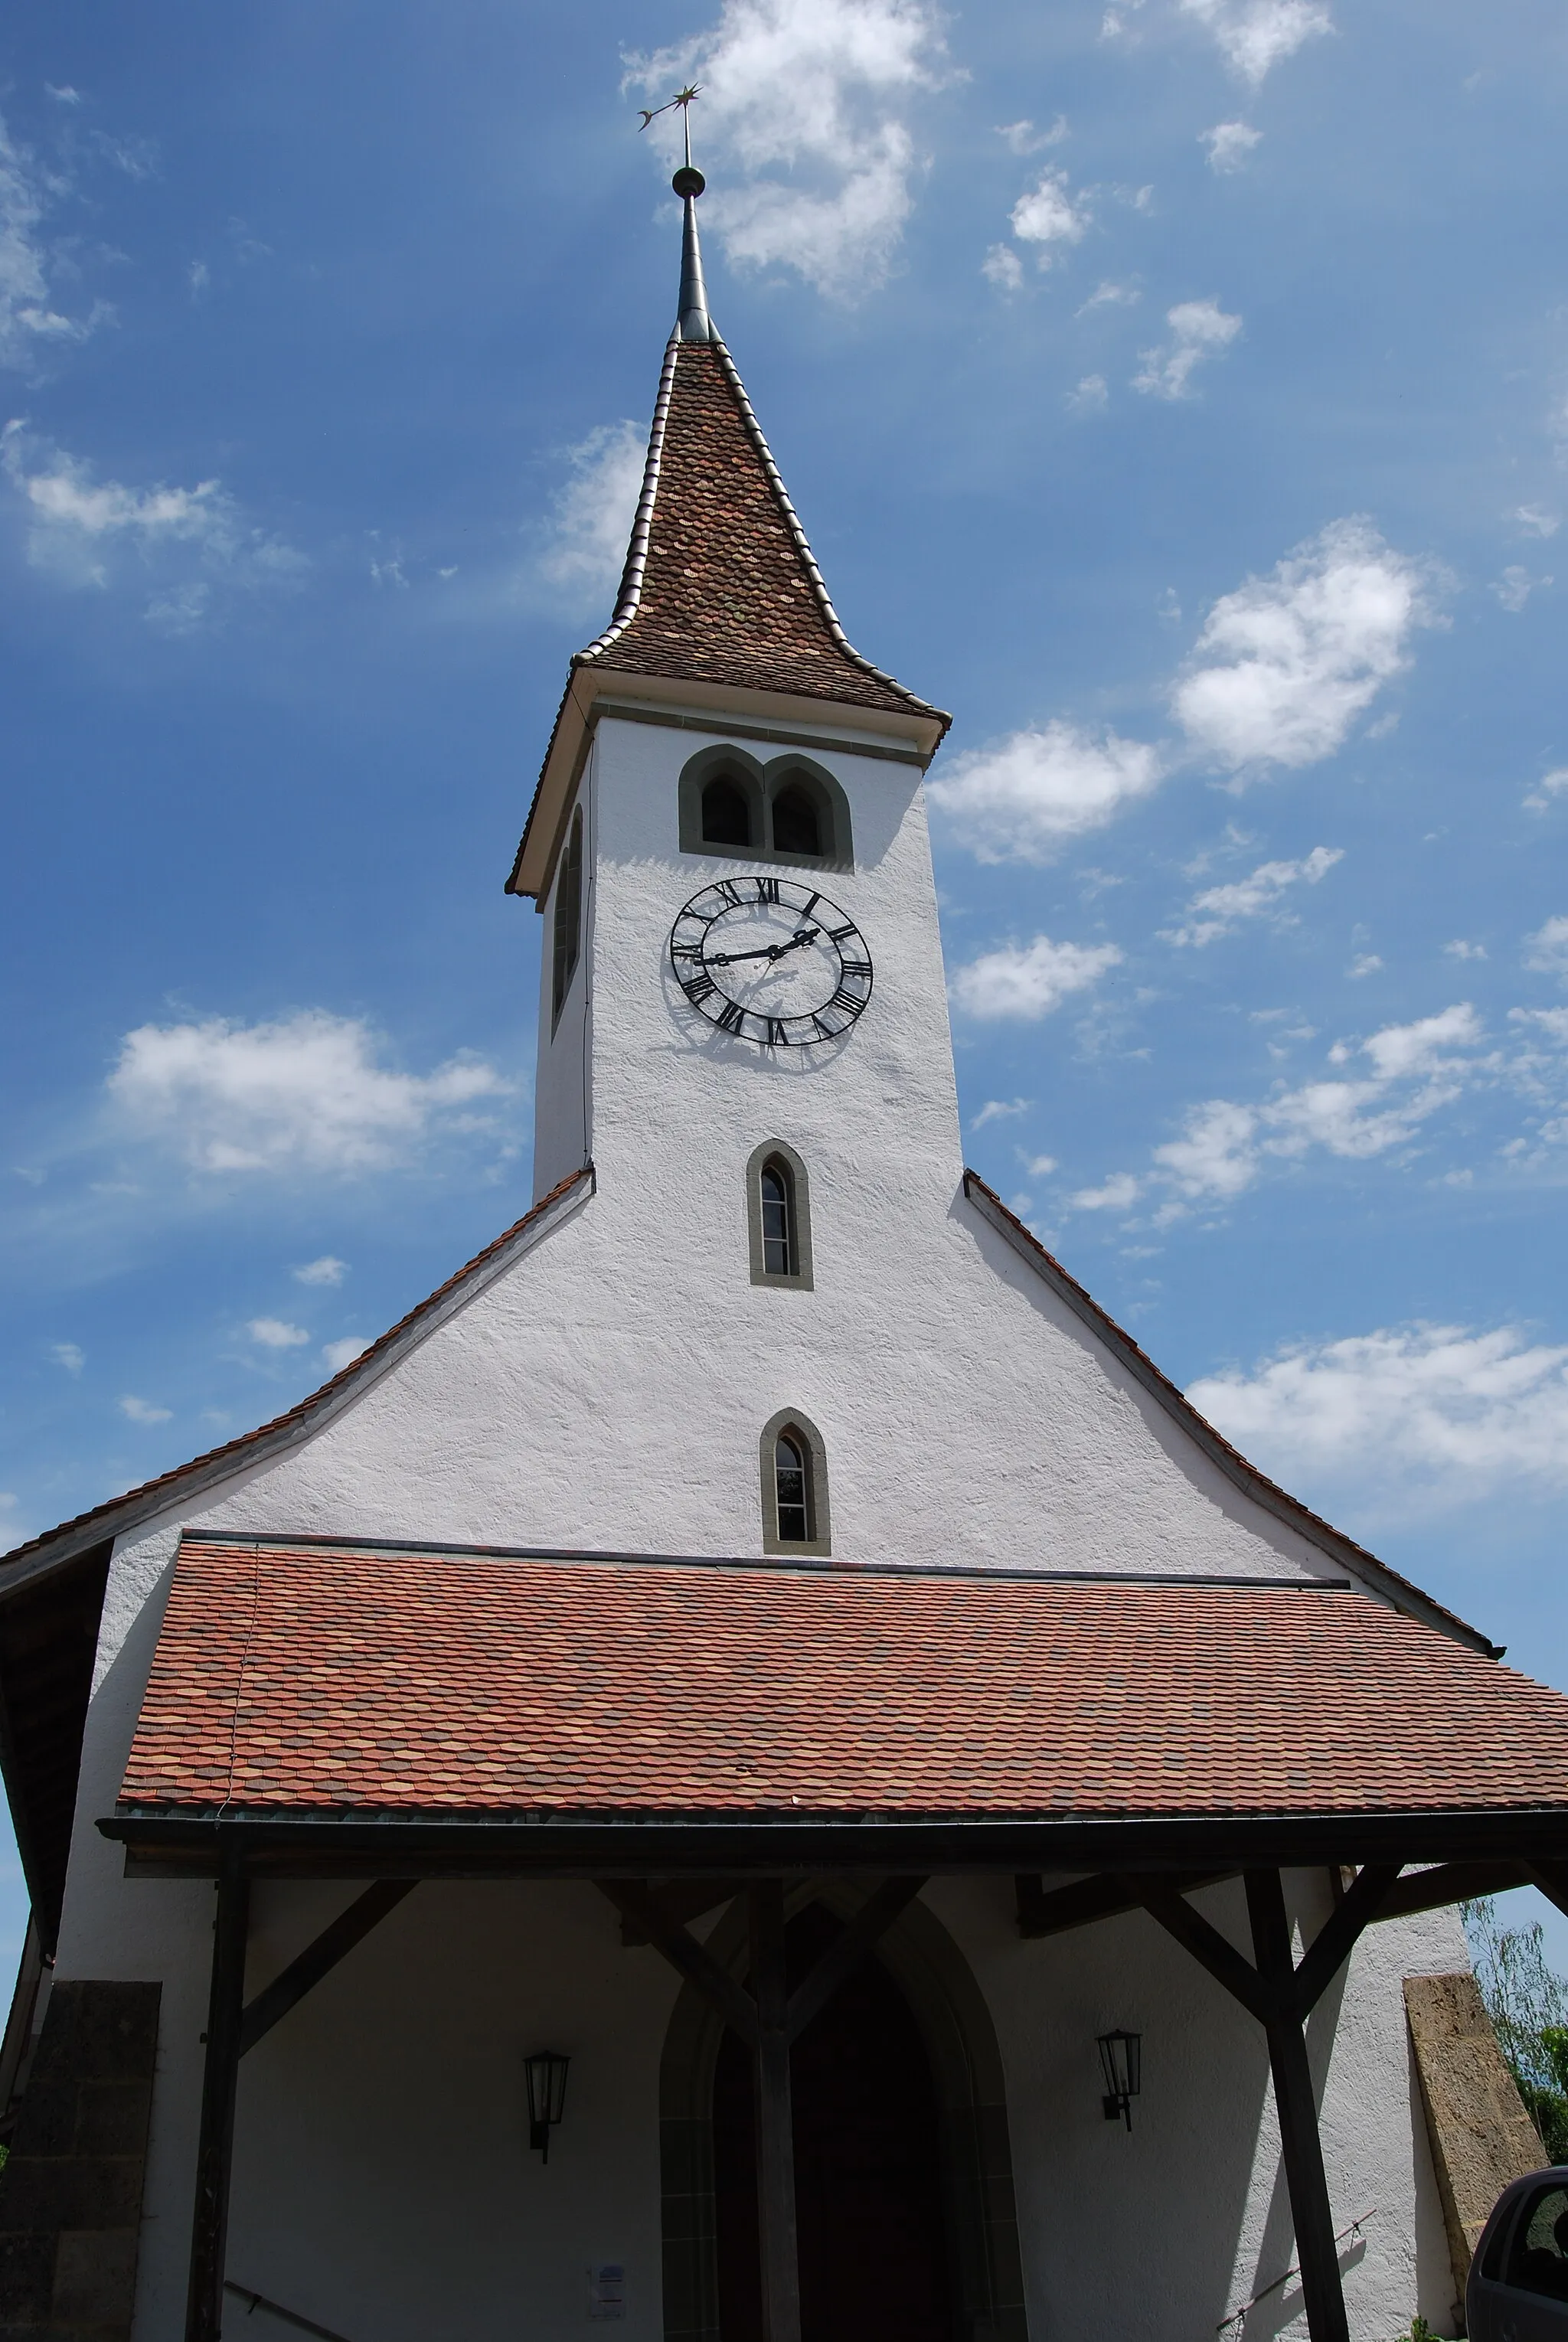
x,y
606,1390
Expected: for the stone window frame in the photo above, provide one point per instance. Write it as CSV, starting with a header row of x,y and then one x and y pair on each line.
x,y
819,1544
800,1278
759,784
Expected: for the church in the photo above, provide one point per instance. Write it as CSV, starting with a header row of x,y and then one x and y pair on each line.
x,y
750,1771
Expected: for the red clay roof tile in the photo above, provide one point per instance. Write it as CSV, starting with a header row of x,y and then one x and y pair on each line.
x,y
322,1680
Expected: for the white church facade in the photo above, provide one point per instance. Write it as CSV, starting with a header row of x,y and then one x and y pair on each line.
x,y
751,1770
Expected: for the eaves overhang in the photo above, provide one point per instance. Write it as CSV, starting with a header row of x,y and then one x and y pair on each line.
x,y
595,689
580,1845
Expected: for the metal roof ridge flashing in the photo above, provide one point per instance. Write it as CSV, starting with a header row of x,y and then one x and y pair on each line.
x,y
770,1565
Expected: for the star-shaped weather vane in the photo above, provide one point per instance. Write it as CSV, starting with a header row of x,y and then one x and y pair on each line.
x,y
682,98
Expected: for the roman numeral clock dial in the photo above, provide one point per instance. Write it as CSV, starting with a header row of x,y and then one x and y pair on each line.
x,y
770,962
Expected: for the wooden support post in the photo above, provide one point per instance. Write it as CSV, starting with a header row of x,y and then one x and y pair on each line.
x,y
209,2230
775,2117
1297,2108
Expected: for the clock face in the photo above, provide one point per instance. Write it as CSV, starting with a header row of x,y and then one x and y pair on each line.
x,y
770,962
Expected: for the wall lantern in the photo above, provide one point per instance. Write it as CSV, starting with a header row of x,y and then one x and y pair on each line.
x,y
1121,2061
546,2072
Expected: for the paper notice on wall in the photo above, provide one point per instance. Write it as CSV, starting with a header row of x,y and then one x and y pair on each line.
x,y
607,2291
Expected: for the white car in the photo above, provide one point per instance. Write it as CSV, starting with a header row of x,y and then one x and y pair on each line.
x,y
1518,2288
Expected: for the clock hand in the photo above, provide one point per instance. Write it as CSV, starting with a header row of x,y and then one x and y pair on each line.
x,y
769,951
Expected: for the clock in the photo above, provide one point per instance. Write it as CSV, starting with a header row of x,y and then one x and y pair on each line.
x,y
770,962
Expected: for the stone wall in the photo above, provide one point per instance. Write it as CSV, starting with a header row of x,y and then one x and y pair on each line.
x,y
1480,2136
71,2193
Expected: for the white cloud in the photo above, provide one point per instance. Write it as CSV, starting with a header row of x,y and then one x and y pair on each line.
x,y
276,1334
327,1270
304,1094
804,101
1118,1194
1003,268
595,512
1219,909
29,323
1414,1070
1229,144
1025,796
77,525
1215,1156
1049,216
1111,293
1516,586
1090,397
1028,981
338,1355
1199,329
1039,1167
1537,520
1450,1411
1547,949
1364,964
1460,949
64,95
142,1410
1000,1110
1287,663
1025,139
68,1355
1254,35
1550,785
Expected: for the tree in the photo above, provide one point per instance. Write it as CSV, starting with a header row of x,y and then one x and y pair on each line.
x,y
1528,2005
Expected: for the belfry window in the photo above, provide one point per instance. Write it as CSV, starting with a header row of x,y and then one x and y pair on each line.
x,y
795,1486
792,1484
726,817
778,1215
797,825
568,935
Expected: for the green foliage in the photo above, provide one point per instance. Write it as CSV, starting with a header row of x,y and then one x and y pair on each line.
x,y
1528,2005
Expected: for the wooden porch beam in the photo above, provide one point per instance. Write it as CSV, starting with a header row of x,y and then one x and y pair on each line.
x,y
1208,1947
220,2079
1446,1883
1051,1912
779,2249
1551,1878
350,1927
1335,1939
635,1902
1301,2145
856,1944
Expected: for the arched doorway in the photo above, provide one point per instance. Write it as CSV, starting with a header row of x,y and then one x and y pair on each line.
x,y
977,2227
869,2209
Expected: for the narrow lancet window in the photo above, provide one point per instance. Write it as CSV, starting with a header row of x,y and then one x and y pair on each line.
x,y
792,1480
726,817
796,826
568,934
779,1251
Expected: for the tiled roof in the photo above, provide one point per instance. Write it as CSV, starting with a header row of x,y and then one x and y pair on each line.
x,y
720,585
311,1679
136,1502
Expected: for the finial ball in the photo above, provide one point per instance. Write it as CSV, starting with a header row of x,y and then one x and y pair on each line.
x,y
688,180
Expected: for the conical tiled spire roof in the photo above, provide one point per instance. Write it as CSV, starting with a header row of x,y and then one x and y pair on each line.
x,y
720,586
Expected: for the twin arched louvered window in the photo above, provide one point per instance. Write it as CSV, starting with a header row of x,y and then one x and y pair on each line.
x,y
790,810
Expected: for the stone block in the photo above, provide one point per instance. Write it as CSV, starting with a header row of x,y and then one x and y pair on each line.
x,y
1480,2136
96,2278
26,2276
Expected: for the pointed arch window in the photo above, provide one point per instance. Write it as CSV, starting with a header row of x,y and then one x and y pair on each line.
x,y
568,935
778,1216
795,1486
726,817
797,823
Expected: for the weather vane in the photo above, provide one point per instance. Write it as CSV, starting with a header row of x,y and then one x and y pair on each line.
x,y
682,98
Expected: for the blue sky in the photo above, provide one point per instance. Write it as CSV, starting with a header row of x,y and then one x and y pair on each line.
x,y
1177,391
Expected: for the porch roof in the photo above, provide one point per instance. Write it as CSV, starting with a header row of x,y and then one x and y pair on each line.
x,y
299,1682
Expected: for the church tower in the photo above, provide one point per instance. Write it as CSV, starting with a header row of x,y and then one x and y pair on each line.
x,y
728,847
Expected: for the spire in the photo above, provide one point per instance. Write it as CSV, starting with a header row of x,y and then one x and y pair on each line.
x,y
695,325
